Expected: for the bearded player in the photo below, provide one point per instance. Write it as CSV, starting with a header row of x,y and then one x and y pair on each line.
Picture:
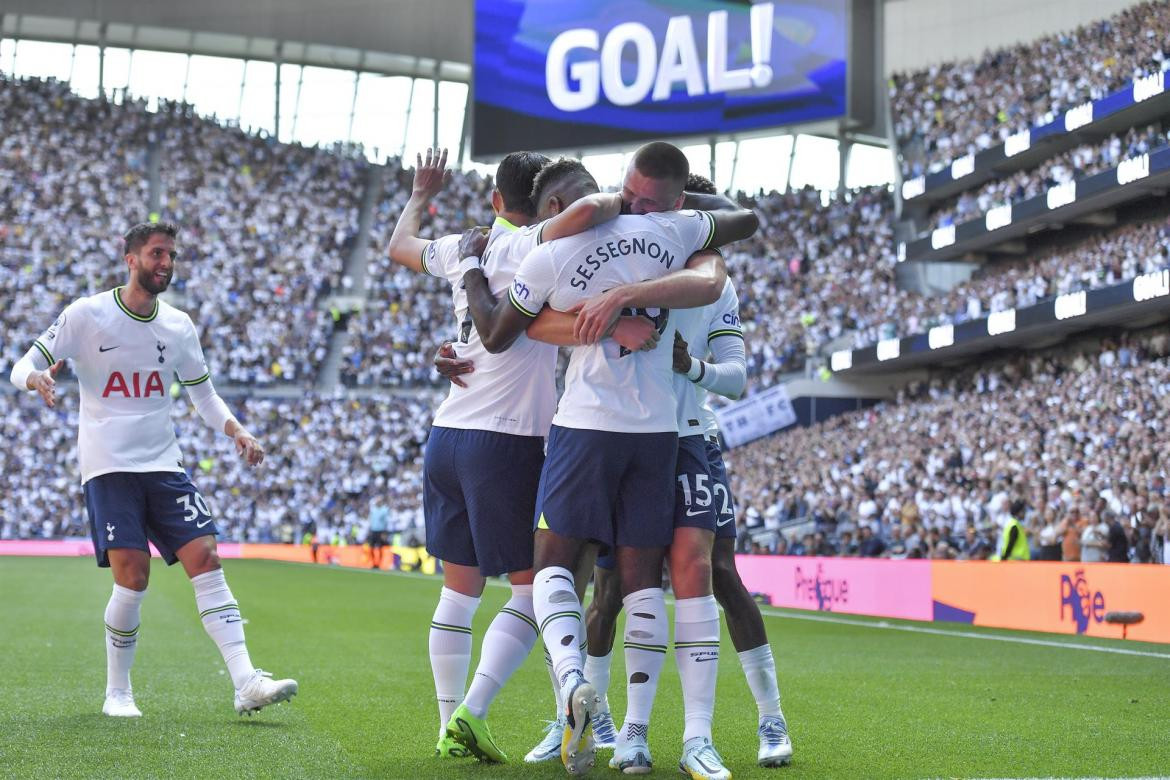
x,y
126,346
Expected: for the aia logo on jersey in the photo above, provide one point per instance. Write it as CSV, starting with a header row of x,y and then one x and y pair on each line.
x,y
137,387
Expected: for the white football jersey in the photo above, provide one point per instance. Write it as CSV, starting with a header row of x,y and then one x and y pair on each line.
x,y
699,327
510,392
124,365
606,387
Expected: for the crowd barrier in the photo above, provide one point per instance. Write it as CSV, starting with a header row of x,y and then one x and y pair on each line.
x,y
1063,598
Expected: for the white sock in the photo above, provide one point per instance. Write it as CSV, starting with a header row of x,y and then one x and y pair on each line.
x,y
221,619
696,652
760,670
558,613
122,618
645,650
450,649
552,676
508,641
597,673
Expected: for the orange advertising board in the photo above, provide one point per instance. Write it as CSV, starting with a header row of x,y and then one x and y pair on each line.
x,y
1066,598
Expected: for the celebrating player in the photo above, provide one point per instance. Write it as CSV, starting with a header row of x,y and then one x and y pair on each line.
x,y
609,472
489,432
126,345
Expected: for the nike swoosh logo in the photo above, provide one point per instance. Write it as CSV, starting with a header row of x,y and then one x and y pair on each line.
x,y
205,522
693,513
722,523
107,349
703,660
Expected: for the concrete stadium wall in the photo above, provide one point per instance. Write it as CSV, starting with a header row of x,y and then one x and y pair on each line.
x,y
919,33
1061,598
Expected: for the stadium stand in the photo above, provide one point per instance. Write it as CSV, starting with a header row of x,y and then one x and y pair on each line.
x,y
1084,160
953,109
1076,435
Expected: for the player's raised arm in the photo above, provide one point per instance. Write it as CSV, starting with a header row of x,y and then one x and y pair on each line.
x,y
699,283
406,247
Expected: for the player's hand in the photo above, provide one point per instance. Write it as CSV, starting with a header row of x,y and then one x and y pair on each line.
x,y
451,366
596,316
43,383
682,355
430,174
473,242
248,447
637,334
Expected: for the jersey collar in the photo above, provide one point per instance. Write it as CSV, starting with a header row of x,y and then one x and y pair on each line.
x,y
125,309
505,224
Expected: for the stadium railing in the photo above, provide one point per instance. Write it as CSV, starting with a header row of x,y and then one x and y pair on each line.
x,y
1142,100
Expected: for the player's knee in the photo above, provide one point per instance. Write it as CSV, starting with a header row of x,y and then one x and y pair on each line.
x,y
133,579
724,577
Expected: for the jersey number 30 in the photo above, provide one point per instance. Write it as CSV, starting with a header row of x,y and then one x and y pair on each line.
x,y
194,507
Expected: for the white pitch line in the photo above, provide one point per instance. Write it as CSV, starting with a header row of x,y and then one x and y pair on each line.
x,y
822,618
1022,640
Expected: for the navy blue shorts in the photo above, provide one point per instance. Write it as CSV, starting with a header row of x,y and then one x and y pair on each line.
x,y
128,509
479,495
694,489
613,488
721,489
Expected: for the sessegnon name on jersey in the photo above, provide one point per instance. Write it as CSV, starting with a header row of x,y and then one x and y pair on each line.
x,y
612,250
136,388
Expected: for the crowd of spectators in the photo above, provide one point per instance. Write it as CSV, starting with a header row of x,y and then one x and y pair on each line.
x,y
1084,262
949,110
72,176
1078,163
266,228
407,315
327,459
1073,444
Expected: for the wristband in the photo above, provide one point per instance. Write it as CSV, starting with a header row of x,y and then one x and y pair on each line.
x,y
469,264
697,370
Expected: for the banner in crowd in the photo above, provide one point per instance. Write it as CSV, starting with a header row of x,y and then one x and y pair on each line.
x,y
1062,598
582,73
755,416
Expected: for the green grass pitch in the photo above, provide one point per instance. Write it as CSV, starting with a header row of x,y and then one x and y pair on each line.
x,y
861,701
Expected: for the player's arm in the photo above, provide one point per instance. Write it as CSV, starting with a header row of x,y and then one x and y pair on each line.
x,y
700,282
725,374
406,247
208,405
730,221
556,327
583,214
37,369
498,323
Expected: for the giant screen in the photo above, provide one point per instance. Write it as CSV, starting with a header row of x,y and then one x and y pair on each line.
x,y
570,74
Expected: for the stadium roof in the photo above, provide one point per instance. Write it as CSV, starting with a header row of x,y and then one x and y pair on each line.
x,y
396,37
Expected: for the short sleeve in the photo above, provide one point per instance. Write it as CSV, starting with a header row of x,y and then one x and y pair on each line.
x,y
724,319
533,283
441,257
192,369
695,229
62,339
